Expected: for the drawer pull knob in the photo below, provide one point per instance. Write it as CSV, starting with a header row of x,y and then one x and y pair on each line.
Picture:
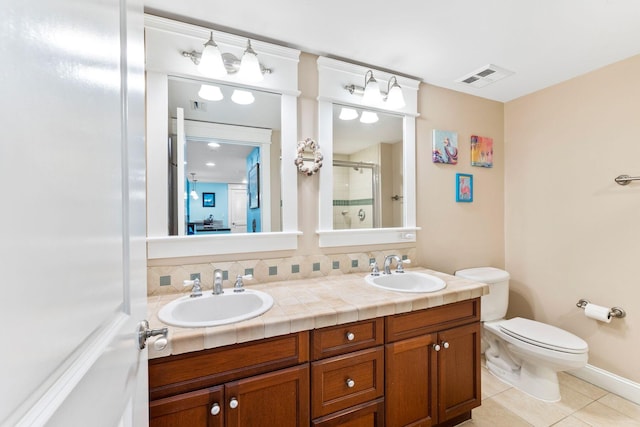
x,y
436,347
351,336
351,383
233,404
445,344
215,409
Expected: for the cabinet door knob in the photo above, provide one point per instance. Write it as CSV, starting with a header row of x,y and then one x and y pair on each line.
x,y
351,336
436,347
233,404
445,344
351,383
215,409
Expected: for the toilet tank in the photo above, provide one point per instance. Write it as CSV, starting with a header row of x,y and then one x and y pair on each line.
x,y
494,305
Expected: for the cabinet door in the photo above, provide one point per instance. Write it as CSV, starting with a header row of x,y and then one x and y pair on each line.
x,y
370,414
410,382
193,409
458,371
278,398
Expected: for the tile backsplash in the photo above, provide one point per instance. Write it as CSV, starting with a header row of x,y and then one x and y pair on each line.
x,y
169,279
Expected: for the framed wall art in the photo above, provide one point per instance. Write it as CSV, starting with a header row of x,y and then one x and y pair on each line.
x,y
208,200
481,151
254,186
464,187
445,147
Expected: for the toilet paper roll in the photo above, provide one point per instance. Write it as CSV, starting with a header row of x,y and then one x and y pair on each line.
x,y
597,312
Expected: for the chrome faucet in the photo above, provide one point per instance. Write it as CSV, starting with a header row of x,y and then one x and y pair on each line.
x,y
387,264
217,281
196,290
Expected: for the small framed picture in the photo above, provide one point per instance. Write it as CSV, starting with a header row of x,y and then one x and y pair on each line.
x,y
464,187
254,186
445,147
208,200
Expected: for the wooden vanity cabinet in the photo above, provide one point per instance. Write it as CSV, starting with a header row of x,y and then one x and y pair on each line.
x,y
420,368
432,374
347,375
232,396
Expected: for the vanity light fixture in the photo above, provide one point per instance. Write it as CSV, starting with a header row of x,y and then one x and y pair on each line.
x,y
215,64
194,193
371,94
395,98
242,97
210,93
368,117
211,63
347,113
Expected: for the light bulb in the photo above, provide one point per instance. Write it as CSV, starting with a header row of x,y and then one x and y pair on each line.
x,y
395,98
242,97
368,117
211,63
250,66
348,113
210,93
372,94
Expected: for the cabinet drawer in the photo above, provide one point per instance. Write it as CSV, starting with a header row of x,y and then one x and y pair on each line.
x,y
343,381
370,414
192,371
408,325
335,340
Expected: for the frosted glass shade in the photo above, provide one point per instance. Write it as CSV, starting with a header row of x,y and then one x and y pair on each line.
x,y
210,93
242,97
368,117
348,114
211,63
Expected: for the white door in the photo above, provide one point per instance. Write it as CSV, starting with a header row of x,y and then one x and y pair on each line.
x,y
238,208
72,249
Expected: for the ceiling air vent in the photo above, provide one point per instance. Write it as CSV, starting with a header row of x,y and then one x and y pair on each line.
x,y
484,76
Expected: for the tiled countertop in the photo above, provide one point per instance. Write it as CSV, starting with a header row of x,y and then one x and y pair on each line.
x,y
307,304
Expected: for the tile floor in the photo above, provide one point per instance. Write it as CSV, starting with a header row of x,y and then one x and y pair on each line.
x,y
582,404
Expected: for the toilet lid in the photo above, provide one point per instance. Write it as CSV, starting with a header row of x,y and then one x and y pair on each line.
x,y
543,335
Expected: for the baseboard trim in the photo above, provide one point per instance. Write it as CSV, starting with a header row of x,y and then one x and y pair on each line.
x,y
611,382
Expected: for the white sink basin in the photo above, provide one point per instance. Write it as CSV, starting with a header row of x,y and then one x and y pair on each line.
x,y
407,282
215,310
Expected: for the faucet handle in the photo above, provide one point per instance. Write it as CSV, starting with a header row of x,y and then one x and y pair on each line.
x,y
374,269
196,290
400,265
239,286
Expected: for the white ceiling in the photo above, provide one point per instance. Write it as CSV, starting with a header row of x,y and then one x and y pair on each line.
x,y
543,42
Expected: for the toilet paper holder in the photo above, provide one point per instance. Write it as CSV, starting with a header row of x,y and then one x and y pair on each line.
x,y
613,311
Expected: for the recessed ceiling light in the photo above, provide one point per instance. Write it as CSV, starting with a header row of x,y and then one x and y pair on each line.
x,y
213,145
210,164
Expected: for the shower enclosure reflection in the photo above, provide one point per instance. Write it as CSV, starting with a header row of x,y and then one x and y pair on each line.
x,y
367,171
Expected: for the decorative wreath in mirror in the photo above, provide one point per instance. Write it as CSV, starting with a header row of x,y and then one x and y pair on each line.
x,y
308,167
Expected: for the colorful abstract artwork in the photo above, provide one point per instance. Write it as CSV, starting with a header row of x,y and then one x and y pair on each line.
x,y
445,147
481,151
464,187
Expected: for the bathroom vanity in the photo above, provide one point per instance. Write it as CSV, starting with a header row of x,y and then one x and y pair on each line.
x,y
415,363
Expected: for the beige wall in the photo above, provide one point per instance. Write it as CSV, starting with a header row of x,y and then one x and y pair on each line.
x,y
571,232
459,235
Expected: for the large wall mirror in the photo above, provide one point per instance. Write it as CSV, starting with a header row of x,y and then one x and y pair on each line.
x,y
367,169
225,177
215,161
368,196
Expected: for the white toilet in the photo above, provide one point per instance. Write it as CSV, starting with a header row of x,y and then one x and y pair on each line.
x,y
522,352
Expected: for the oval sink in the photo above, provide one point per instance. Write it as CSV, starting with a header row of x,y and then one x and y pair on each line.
x,y
407,282
215,310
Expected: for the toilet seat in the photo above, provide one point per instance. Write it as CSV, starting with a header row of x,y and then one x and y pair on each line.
x,y
543,335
